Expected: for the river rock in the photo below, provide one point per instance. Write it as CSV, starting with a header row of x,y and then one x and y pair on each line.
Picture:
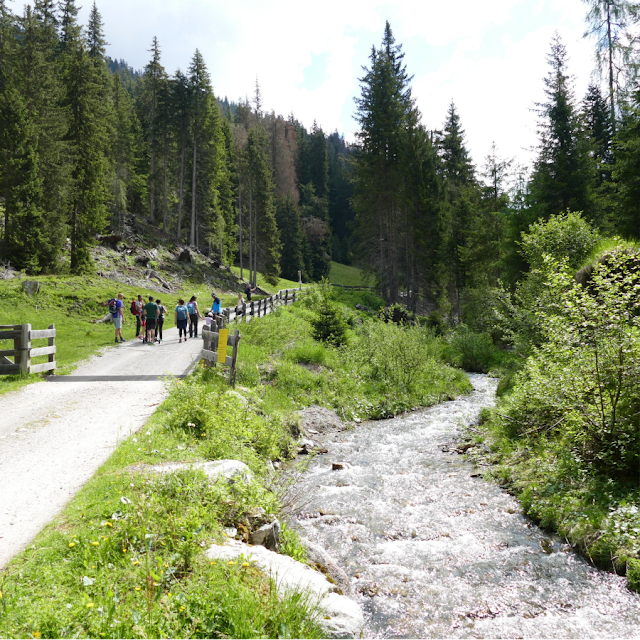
x,y
232,470
320,420
268,535
340,617
31,287
320,556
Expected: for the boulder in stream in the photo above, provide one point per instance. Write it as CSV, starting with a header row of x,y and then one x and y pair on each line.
x,y
340,617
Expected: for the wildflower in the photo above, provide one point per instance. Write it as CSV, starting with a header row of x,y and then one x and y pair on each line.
x,y
137,588
136,562
246,564
232,562
72,544
182,608
1,594
124,550
169,594
95,543
107,524
36,634
213,562
89,605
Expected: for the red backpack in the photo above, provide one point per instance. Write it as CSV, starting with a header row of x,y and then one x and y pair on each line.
x,y
134,308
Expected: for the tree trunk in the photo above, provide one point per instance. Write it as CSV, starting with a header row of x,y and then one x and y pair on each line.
x,y
181,193
164,186
153,159
193,195
240,225
611,92
250,232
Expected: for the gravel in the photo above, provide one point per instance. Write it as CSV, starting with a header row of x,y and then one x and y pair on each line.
x,y
54,436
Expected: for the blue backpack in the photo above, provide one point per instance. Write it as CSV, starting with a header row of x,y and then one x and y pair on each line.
x,y
181,312
191,308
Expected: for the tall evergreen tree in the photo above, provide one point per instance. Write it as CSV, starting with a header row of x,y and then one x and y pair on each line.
x,y
88,139
562,173
382,113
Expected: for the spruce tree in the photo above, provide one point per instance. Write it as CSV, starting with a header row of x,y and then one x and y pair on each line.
x,y
562,174
382,113
88,139
288,218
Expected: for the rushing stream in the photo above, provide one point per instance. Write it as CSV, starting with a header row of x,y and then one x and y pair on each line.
x,y
432,551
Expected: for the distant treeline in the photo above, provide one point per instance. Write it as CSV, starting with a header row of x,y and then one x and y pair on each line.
x,y
86,142
430,225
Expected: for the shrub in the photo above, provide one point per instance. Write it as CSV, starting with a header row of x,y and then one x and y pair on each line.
x,y
633,574
469,350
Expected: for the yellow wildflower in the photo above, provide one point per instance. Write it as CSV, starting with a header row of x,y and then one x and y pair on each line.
x,y
137,588
95,543
89,605
246,564
72,544
232,562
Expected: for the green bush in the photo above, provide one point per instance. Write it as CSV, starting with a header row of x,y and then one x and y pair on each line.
x,y
469,350
633,574
329,325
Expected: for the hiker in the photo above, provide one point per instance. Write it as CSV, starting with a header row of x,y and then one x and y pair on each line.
x,y
194,314
181,319
136,308
117,316
216,307
162,310
240,300
151,315
248,290
208,319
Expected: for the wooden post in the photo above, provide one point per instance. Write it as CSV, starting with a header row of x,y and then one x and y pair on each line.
x,y
234,359
286,297
51,342
25,348
300,280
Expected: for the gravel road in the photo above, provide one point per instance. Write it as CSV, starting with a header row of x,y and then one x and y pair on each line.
x,y
54,435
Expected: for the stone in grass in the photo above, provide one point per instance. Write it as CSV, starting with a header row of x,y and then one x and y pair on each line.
x,y
31,287
339,616
232,470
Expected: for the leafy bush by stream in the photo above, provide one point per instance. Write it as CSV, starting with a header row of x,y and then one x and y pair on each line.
x,y
567,436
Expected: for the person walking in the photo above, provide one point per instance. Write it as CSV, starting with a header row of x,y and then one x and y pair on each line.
x,y
139,305
248,290
162,310
181,319
151,315
116,307
194,314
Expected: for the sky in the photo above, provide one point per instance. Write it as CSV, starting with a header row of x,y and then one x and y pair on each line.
x,y
489,57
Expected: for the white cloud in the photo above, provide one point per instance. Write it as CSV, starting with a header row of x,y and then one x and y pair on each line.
x,y
493,79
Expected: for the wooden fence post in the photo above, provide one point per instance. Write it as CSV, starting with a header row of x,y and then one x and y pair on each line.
x,y
25,348
234,359
51,343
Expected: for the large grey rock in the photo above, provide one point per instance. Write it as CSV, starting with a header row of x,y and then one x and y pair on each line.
x,y
31,287
339,616
321,558
268,535
232,470
319,420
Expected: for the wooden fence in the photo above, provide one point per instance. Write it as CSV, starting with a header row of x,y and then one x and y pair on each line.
x,y
353,288
214,352
260,308
22,352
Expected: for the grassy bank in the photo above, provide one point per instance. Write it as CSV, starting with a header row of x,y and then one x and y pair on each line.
x,y
126,559
346,275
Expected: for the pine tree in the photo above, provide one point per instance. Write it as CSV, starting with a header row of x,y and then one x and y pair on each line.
x,y
181,101
599,129
154,90
382,113
288,218
88,138
608,22
562,172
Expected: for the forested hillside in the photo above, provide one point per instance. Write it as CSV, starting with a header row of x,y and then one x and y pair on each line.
x,y
86,142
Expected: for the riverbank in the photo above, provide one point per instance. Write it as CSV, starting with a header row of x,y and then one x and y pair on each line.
x,y
126,557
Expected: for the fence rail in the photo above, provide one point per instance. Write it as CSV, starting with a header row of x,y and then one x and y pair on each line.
x,y
353,288
261,308
214,349
23,351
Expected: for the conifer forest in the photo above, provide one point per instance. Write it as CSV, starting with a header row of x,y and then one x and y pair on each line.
x,y
86,141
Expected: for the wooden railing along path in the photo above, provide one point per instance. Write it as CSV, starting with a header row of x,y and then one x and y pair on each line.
x,y
260,308
22,352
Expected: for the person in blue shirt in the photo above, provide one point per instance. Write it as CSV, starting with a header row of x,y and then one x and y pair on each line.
x,y
117,316
216,307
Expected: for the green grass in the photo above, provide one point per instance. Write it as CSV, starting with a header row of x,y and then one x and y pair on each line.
x,y
346,275
125,559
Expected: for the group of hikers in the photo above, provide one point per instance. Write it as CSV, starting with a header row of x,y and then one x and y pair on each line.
x,y
150,316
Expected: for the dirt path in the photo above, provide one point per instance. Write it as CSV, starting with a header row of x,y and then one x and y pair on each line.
x,y
54,435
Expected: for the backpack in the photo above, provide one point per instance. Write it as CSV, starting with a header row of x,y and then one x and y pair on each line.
x,y
113,307
191,308
181,312
134,308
